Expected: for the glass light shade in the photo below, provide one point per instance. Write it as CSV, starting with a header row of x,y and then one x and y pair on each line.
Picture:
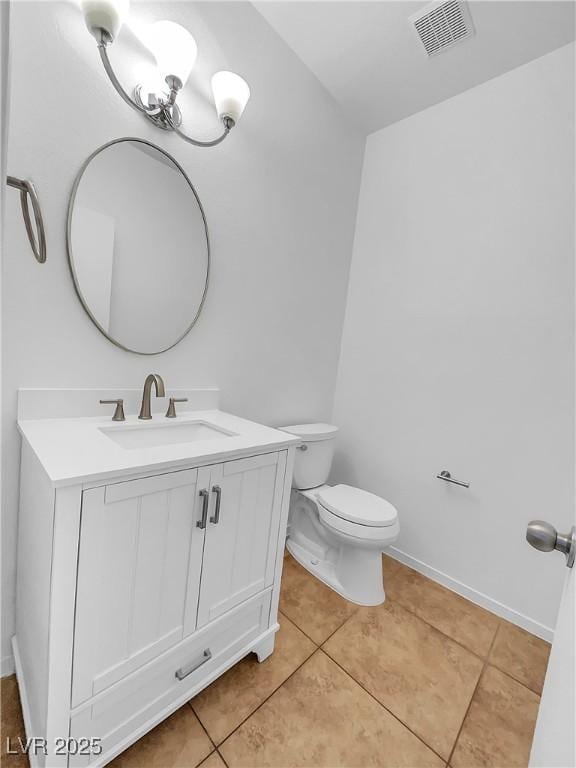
x,y
174,49
108,15
231,94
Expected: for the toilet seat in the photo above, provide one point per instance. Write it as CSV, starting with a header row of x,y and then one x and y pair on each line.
x,y
355,506
381,534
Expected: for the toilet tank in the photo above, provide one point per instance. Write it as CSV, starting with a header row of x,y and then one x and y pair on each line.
x,y
314,456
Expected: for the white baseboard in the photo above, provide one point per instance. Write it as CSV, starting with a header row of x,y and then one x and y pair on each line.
x,y
484,601
7,666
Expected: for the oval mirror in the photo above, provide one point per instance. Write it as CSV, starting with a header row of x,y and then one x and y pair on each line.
x,y
138,246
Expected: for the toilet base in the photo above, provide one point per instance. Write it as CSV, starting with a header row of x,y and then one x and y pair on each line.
x,y
348,564
370,593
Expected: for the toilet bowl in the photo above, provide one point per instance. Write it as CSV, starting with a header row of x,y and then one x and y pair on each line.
x,y
339,532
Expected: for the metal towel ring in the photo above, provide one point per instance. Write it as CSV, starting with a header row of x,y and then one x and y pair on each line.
x,y
27,190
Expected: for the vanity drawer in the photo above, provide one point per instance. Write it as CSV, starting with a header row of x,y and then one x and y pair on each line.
x,y
177,675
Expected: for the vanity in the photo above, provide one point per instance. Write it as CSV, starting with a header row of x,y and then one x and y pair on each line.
x,y
151,524
149,561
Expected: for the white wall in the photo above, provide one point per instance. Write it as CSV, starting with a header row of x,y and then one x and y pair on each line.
x,y
280,199
458,342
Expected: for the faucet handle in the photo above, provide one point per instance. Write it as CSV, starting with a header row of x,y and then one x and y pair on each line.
x,y
171,412
119,410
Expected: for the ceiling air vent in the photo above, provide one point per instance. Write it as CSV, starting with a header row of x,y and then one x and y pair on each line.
x,y
441,25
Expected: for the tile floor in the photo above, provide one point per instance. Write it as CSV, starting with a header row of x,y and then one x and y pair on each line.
x,y
426,680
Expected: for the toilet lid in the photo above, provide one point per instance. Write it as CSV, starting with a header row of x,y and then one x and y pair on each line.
x,y
357,506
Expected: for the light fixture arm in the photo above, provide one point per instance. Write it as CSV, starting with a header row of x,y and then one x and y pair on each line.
x,y
162,116
228,125
102,48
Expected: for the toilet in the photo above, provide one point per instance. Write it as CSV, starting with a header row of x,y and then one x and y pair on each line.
x,y
338,532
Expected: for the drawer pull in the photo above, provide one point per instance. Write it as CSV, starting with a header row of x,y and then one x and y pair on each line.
x,y
202,522
216,517
193,666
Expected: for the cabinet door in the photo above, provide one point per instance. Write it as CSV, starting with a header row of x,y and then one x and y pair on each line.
x,y
241,537
138,541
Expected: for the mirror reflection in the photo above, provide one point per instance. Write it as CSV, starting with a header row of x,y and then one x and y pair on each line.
x,y
138,246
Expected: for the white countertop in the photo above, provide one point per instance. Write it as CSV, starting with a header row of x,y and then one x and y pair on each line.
x,y
76,450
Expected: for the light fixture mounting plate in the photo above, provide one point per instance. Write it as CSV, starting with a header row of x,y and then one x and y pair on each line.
x,y
157,116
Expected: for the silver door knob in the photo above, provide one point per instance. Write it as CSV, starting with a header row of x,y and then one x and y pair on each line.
x,y
544,537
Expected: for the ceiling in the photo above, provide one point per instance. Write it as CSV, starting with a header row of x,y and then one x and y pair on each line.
x,y
368,56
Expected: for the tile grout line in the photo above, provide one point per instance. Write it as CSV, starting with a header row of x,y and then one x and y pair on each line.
x,y
424,621
515,679
468,708
217,746
319,645
287,555
299,628
479,656
189,703
384,707
483,659
221,757
413,613
316,649
444,634
283,613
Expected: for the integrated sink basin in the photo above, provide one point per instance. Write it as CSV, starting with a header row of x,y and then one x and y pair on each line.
x,y
76,449
153,435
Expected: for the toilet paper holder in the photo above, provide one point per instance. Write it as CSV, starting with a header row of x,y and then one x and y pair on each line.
x,y
447,477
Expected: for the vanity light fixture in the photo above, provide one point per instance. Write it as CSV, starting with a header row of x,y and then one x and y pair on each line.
x,y
175,52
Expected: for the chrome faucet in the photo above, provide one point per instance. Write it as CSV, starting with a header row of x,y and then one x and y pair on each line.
x,y
151,379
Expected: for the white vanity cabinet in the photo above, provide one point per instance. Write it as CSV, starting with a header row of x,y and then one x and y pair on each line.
x,y
240,547
139,548
136,592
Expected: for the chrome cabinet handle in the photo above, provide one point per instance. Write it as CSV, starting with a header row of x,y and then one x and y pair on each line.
x,y
445,475
202,522
216,517
194,665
